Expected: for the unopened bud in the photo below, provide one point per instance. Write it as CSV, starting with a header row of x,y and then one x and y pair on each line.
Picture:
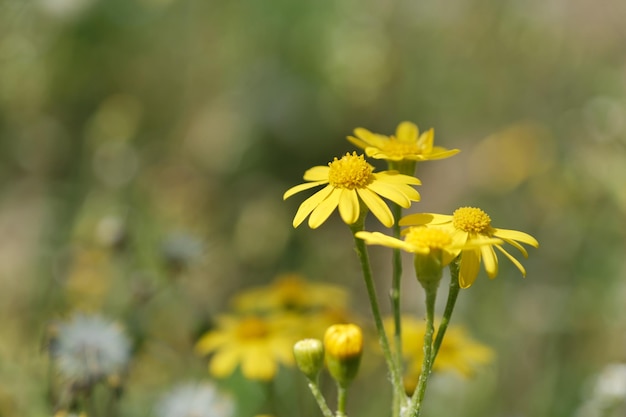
x,y
344,347
309,354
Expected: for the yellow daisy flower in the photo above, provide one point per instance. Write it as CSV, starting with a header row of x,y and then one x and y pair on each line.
x,y
258,344
458,351
472,225
422,240
407,144
291,292
350,182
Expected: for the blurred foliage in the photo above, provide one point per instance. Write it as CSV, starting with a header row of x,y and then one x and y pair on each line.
x,y
126,122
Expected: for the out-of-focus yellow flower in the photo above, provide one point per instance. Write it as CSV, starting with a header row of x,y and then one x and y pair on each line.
x,y
458,351
473,226
291,292
258,344
350,182
407,144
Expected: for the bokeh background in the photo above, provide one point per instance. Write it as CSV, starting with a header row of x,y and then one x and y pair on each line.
x,y
134,131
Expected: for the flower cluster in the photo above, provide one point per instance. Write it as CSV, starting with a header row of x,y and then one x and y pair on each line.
x,y
259,334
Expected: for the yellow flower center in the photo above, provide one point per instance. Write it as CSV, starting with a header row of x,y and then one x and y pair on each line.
x,y
429,238
471,220
395,147
252,328
351,172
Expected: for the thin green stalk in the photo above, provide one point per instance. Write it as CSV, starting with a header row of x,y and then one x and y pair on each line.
x,y
415,405
342,396
453,294
321,402
398,395
361,249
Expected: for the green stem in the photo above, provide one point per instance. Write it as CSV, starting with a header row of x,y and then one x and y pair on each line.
x,y
396,377
321,402
398,395
417,399
453,294
342,396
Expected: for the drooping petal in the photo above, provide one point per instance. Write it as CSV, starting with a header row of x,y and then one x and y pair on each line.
x,y
349,206
377,206
377,238
407,132
318,173
302,187
470,265
489,260
310,204
224,362
390,192
516,235
517,246
324,209
425,218
512,259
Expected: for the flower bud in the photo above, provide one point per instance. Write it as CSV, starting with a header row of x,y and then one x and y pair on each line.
x,y
344,346
309,354
429,268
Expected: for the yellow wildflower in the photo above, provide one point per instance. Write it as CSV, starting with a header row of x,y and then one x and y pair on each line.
x,y
458,351
407,144
473,226
258,343
351,181
291,292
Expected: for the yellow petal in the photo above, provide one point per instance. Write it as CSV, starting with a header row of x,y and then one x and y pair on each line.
x,y
397,178
224,362
426,140
470,264
425,218
407,132
258,364
211,341
372,139
377,206
442,153
302,187
357,142
318,173
324,209
516,235
390,192
517,246
512,259
349,206
310,204
377,238
489,260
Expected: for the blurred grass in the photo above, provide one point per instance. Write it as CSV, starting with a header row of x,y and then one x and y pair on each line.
x,y
168,115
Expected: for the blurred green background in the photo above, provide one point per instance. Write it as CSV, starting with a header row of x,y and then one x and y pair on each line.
x,y
123,122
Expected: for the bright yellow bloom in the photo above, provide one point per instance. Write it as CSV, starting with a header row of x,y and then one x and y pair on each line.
x,y
350,182
473,226
407,144
343,341
291,292
258,344
458,351
422,240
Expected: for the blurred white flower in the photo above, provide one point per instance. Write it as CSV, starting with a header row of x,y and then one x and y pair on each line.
x,y
195,400
88,348
607,393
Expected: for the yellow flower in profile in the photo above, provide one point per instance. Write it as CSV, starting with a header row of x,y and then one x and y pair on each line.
x,y
351,181
291,292
422,240
407,144
472,225
258,344
458,351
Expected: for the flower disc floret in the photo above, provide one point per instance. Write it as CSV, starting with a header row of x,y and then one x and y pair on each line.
x,y
471,220
350,172
428,238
